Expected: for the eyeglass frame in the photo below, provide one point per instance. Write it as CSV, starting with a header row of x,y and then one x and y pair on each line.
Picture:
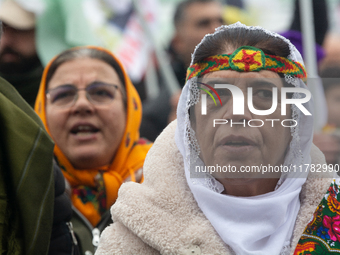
x,y
88,97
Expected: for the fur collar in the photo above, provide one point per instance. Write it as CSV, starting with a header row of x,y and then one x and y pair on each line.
x,y
162,216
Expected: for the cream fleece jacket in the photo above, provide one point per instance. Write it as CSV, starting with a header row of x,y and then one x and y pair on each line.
x,y
161,215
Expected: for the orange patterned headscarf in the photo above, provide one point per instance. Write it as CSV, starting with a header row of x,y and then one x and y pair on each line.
x,y
129,156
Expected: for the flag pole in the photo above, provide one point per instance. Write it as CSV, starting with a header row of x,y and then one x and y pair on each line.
x,y
162,58
308,37
308,43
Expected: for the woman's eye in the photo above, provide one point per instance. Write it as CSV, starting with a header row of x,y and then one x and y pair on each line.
x,y
265,93
223,92
63,95
102,93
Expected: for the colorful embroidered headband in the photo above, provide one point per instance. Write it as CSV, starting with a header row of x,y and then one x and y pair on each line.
x,y
247,59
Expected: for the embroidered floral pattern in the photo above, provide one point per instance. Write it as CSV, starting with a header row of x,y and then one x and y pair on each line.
x,y
94,195
322,234
306,247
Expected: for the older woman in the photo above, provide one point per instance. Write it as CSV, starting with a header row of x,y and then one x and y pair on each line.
x,y
182,209
93,112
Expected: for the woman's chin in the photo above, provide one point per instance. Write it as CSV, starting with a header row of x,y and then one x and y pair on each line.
x,y
242,170
88,161
87,156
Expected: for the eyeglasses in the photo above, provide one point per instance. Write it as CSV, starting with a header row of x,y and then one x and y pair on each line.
x,y
97,93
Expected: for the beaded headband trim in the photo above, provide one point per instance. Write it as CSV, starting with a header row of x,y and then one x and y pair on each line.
x,y
247,59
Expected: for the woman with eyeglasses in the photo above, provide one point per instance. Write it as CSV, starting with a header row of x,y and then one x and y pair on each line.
x,y
93,113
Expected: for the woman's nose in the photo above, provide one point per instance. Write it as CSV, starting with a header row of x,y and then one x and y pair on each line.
x,y
82,103
236,110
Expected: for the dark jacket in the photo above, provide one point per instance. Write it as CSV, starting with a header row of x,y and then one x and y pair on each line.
x,y
26,177
157,110
63,240
27,84
32,193
87,235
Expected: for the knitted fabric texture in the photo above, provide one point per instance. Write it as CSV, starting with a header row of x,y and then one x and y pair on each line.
x,y
247,59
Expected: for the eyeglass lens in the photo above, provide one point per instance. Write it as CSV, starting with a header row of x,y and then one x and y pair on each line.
x,y
97,93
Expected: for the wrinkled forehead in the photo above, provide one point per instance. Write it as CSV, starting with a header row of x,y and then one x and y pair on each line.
x,y
242,83
82,71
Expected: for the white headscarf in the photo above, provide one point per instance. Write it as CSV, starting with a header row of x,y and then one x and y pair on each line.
x,y
261,225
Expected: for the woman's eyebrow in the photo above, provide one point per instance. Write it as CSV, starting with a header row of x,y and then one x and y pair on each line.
x,y
96,82
250,82
65,84
103,82
213,81
262,83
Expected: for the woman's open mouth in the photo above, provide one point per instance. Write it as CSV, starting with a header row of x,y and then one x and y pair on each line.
x,y
84,130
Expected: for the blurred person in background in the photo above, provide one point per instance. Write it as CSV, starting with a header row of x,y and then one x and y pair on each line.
x,y
328,140
321,25
93,112
192,19
327,143
331,85
19,62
